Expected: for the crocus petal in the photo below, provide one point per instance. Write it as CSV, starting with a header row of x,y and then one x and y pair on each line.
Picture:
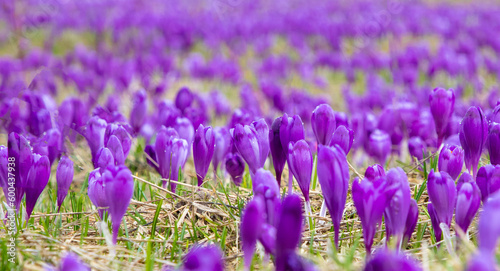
x,y
300,162
451,160
38,177
344,137
64,177
251,224
323,123
473,134
203,151
441,103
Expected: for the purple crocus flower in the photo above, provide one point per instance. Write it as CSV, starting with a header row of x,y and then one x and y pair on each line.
x,y
277,151
493,143
38,177
251,223
396,212
417,147
386,260
222,144
139,110
115,147
473,134
489,225
235,166
123,136
291,130
203,151
96,191
323,123
442,103
488,180
288,230
245,139
64,177
20,151
118,188
201,258
94,133
163,151
300,162
104,159
333,176
185,129
451,160
262,131
184,99
344,137
180,151
379,146
374,172
370,199
443,195
468,202
411,221
71,262
265,186
4,161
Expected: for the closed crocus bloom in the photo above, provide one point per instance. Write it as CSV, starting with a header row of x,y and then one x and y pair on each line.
x,y
104,159
94,133
451,160
344,137
374,172
118,188
235,166
121,133
139,110
251,224
488,180
265,186
277,152
115,147
323,123
288,230
163,150
417,147
333,176
222,144
468,202
386,260
300,162
180,151
37,179
379,146
184,99
291,130
203,151
370,199
396,212
246,142
20,151
96,191
185,129
64,177
443,194
493,143
71,262
441,103
262,131
489,225
473,133
201,258
411,221
52,139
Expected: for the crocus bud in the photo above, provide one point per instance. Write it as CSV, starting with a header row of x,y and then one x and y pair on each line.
x,y
262,131
291,130
300,162
163,150
344,137
441,103
288,230
323,123
451,160
139,110
203,151
180,151
370,199
202,258
493,143
416,147
468,202
379,146
71,262
222,144
38,177
64,177
411,221
185,129
115,147
333,176
396,212
374,172
53,140
235,166
277,152
94,133
184,99
443,194
488,180
386,260
118,188
489,225
473,133
96,191
246,142
251,223
20,151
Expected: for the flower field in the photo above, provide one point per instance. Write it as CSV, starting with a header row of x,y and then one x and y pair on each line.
x,y
249,135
